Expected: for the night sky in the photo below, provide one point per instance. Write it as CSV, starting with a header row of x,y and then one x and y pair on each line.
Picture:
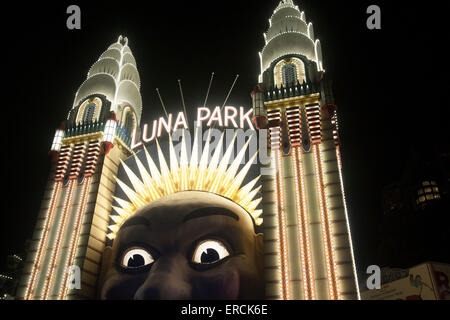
x,y
389,84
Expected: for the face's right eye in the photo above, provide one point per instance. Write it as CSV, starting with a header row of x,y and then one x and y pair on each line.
x,y
209,252
135,258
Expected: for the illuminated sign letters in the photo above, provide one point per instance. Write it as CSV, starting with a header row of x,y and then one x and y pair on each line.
x,y
226,117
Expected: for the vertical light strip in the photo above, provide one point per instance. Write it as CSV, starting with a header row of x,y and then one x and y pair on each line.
x,y
74,238
57,245
307,275
326,228
274,117
300,226
306,223
75,169
278,235
43,241
303,227
89,170
282,227
61,169
338,156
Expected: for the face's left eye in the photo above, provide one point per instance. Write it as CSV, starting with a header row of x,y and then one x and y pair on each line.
x,y
209,252
135,258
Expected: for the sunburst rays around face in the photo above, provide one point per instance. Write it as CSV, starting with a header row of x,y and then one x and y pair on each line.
x,y
199,173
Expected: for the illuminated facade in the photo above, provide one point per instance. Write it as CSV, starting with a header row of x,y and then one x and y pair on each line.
x,y
73,221
308,246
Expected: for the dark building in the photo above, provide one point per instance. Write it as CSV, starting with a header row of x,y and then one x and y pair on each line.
x,y
416,225
9,279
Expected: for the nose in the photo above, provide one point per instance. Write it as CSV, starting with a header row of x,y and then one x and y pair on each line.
x,y
167,280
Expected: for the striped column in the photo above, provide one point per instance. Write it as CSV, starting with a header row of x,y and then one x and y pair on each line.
x,y
274,117
327,236
62,166
76,166
304,238
90,166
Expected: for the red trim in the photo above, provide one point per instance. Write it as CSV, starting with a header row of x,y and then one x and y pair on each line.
x,y
107,146
255,90
329,109
259,122
53,156
62,126
113,117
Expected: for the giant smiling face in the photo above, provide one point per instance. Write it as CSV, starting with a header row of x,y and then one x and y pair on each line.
x,y
189,245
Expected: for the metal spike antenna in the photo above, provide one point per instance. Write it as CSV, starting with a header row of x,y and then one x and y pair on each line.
x,y
228,95
229,92
184,105
162,103
209,88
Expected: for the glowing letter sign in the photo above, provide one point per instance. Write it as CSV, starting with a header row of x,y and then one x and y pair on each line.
x,y
219,117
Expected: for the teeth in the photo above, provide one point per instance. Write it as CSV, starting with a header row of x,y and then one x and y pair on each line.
x,y
197,173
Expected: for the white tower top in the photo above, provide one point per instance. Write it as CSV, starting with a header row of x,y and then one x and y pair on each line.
x,y
288,34
114,75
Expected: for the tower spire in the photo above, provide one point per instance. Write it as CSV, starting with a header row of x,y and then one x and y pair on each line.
x,y
293,101
116,77
71,227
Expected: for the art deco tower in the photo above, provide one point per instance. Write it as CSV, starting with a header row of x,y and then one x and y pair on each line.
x,y
86,152
308,246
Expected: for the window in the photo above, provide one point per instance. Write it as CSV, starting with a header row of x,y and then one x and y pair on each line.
x,y
128,123
428,191
88,114
289,74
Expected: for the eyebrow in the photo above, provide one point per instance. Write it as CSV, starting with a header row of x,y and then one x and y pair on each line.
x,y
210,211
135,221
